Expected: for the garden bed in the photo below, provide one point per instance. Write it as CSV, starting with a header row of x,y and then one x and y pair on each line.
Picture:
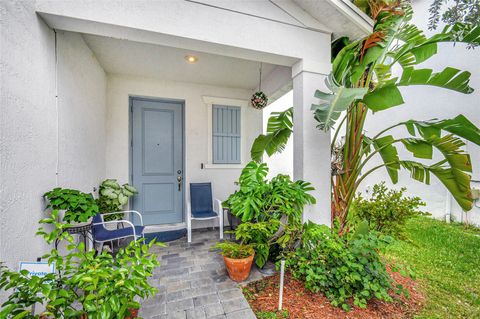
x,y
299,303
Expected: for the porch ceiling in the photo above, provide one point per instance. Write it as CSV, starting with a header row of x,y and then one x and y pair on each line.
x,y
167,63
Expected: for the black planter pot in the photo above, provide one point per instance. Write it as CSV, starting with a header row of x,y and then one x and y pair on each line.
x,y
233,220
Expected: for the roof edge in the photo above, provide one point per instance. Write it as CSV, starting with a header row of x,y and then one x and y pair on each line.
x,y
354,14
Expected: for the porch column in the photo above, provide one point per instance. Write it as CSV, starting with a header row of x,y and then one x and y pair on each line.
x,y
311,156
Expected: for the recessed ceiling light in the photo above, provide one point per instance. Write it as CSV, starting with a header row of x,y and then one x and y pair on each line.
x,y
191,58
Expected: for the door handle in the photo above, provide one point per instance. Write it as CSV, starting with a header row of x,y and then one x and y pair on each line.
x,y
179,180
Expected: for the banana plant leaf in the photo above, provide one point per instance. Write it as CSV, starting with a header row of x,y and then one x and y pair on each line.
x,y
418,147
344,61
459,126
383,98
279,130
328,112
388,152
449,145
415,52
449,78
456,181
387,96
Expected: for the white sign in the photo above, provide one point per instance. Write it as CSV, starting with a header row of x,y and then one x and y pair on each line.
x,y
39,269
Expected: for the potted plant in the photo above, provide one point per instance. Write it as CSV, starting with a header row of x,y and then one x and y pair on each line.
x,y
259,100
77,207
238,258
269,210
113,197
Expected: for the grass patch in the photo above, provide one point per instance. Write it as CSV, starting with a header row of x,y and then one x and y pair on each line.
x,y
446,260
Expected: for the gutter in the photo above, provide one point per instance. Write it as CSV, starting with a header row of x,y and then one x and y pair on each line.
x,y
354,14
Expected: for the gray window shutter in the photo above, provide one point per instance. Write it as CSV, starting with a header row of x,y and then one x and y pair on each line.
x,y
226,134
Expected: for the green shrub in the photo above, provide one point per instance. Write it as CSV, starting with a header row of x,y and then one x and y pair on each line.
x,y
387,210
343,268
78,206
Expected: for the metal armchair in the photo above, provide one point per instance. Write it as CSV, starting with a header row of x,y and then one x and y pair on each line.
x,y
102,234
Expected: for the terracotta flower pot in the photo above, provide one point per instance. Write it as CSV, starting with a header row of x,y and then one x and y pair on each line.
x,y
238,269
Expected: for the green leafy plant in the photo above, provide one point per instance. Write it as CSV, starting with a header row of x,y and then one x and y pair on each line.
x,y
113,197
386,211
345,269
259,199
279,130
234,250
362,81
93,284
26,291
78,206
267,208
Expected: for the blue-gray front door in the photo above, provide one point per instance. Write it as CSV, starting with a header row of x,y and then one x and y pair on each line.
x,y
157,160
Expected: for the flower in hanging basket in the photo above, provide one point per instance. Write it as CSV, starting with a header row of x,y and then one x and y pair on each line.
x,y
259,100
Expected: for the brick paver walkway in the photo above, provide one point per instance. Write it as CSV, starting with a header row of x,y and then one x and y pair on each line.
x,y
193,283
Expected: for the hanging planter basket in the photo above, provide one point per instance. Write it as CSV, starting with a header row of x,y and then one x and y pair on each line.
x,y
259,100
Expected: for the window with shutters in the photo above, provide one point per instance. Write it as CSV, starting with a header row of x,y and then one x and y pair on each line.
x,y
226,134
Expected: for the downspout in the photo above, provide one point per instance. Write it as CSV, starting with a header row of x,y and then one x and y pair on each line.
x,y
57,164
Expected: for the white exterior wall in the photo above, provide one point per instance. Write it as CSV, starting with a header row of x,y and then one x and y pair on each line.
x,y
423,103
280,163
82,111
196,129
27,128
30,143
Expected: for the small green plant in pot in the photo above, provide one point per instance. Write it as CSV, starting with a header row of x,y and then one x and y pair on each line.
x,y
79,207
113,197
238,259
260,236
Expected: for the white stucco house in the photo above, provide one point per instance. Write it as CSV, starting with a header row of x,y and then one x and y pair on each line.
x,y
105,89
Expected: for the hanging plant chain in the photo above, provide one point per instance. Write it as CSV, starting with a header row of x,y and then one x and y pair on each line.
x,y
259,99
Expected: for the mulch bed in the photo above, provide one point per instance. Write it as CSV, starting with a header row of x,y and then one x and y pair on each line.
x,y
303,304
